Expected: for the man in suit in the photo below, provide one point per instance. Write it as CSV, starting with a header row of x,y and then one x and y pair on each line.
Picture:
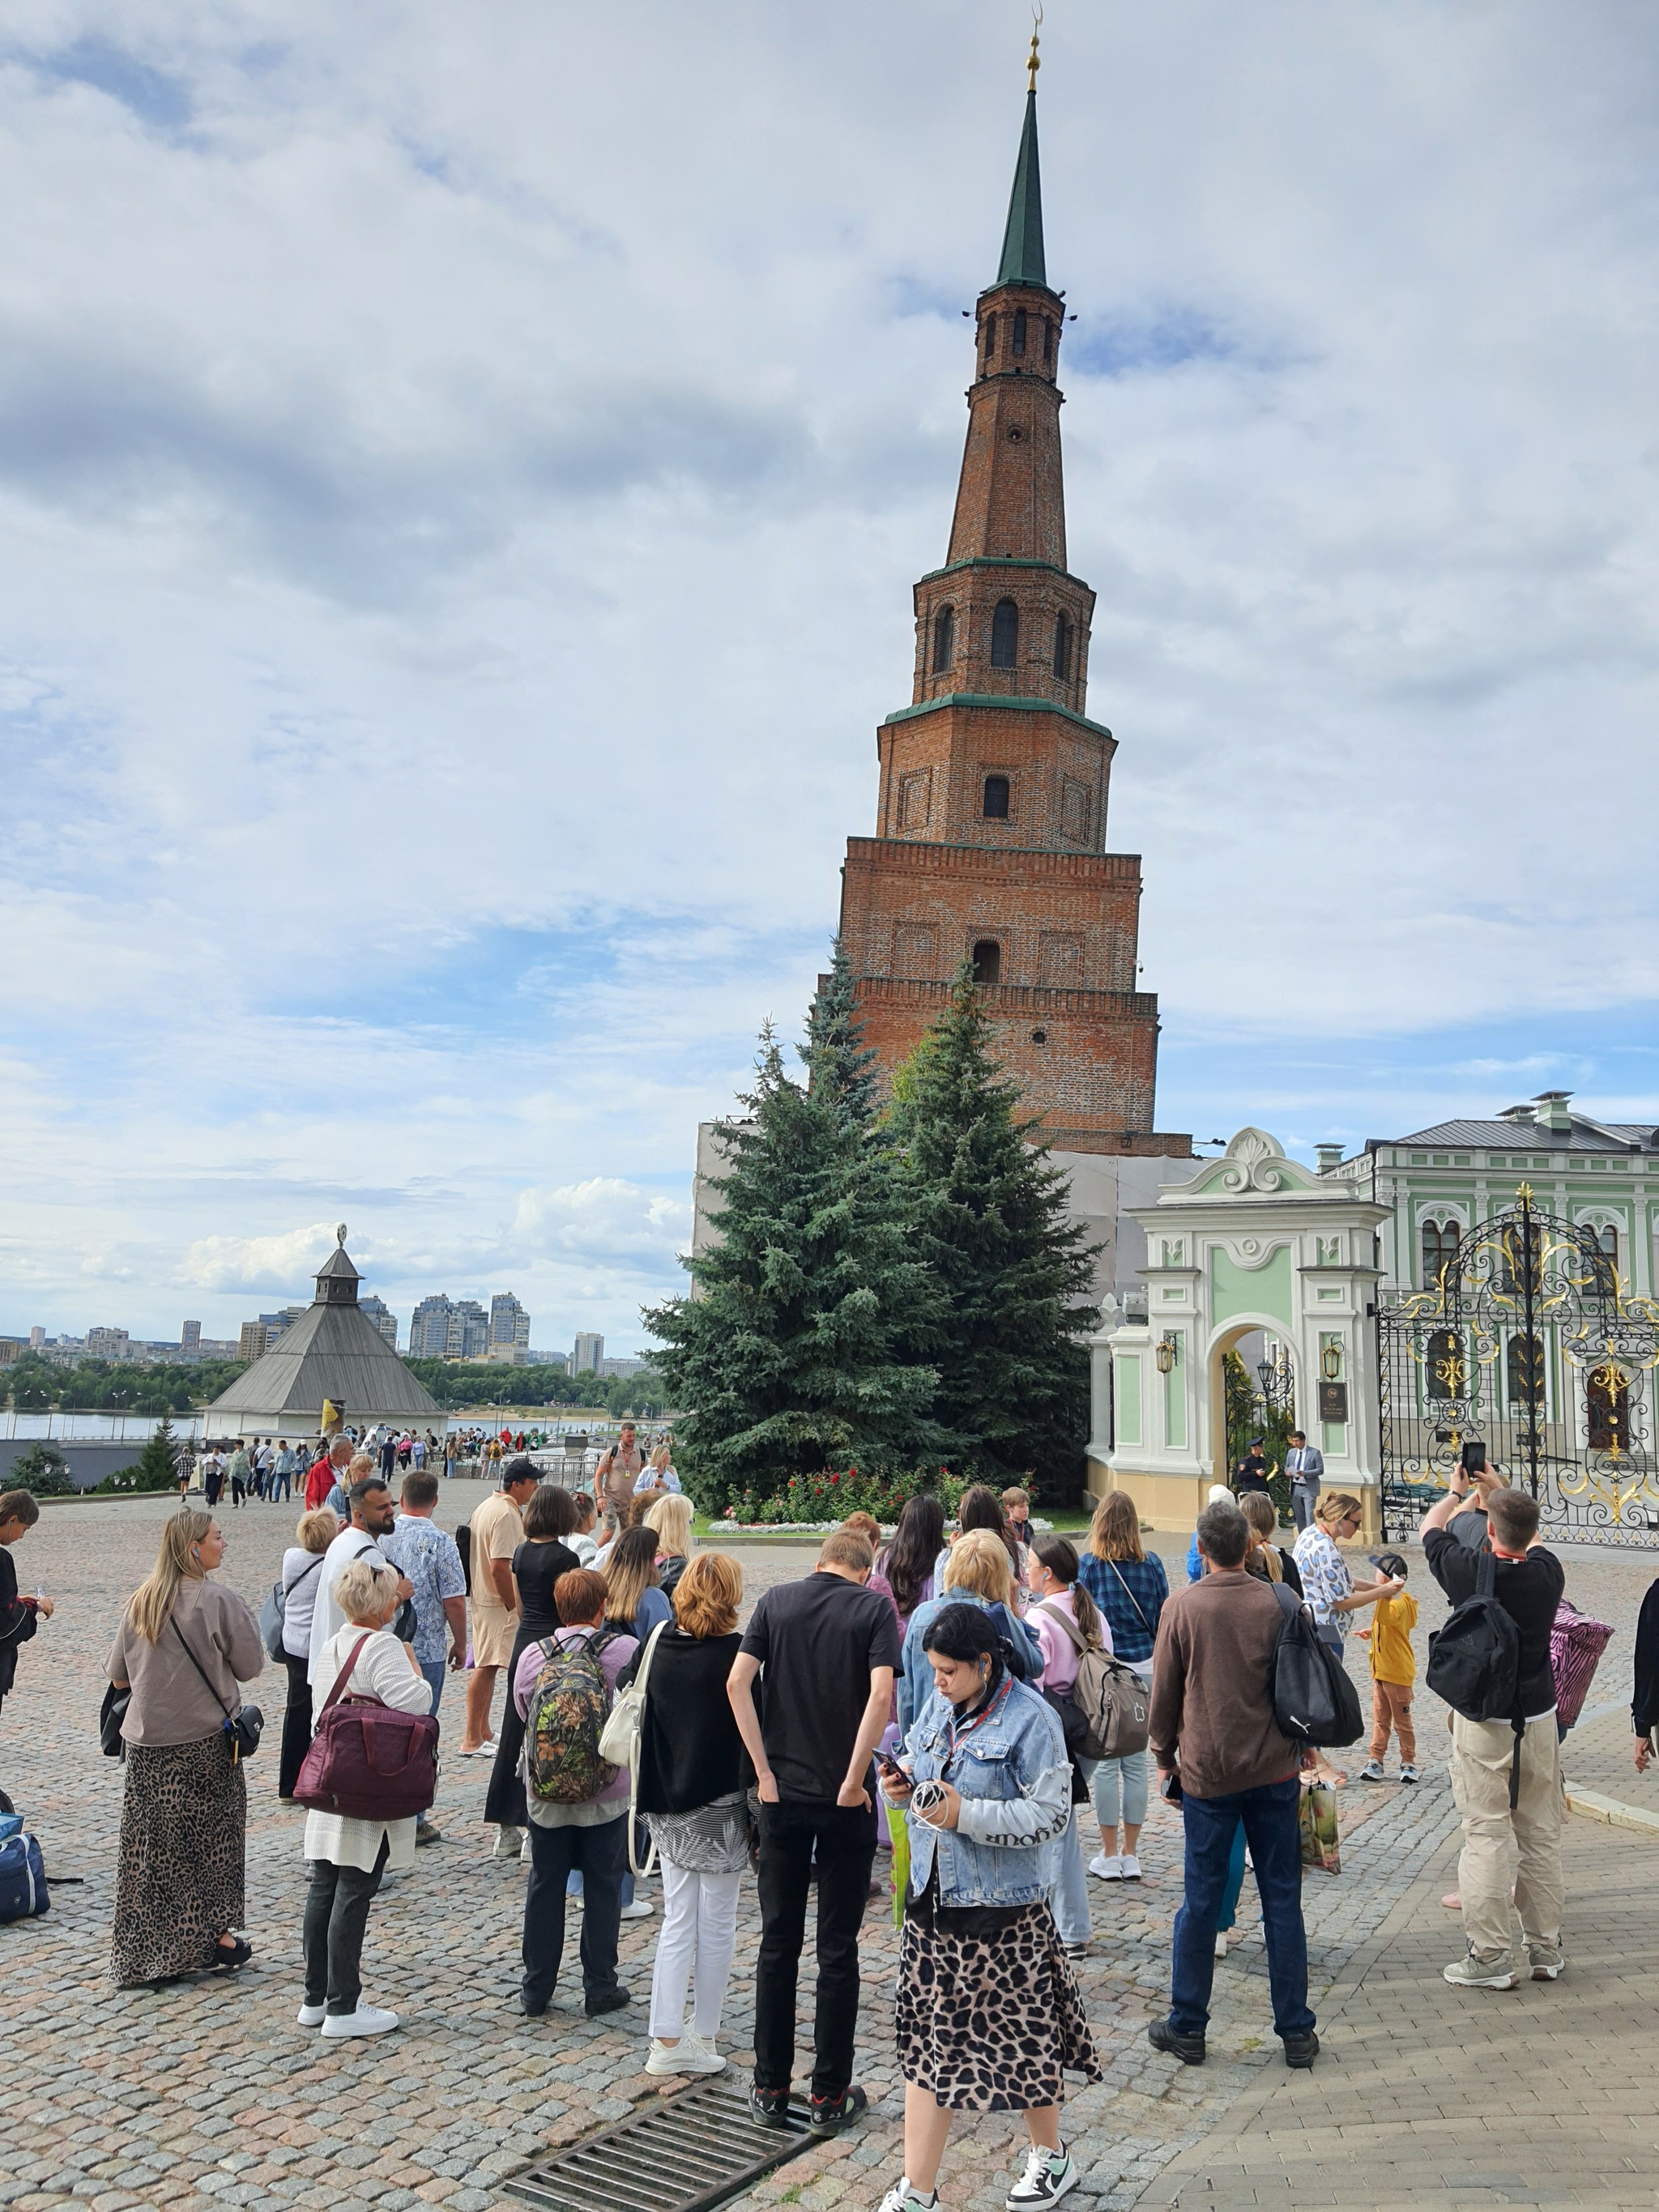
x,y
1305,1463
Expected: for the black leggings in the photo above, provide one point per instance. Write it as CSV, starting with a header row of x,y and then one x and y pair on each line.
x,y
297,1724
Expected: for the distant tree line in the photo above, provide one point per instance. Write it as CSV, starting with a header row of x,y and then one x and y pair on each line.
x,y
455,1383
34,1385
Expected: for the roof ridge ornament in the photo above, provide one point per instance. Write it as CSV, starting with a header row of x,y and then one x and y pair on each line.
x,y
1033,64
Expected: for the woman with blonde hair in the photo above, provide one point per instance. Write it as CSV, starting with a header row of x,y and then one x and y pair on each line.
x,y
658,1473
633,1602
1267,1561
690,1794
1327,1585
302,1570
348,1856
670,1518
1130,1587
977,1571
184,1646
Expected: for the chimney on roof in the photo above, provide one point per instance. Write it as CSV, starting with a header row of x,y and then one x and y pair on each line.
x,y
1553,1113
1329,1157
1523,1117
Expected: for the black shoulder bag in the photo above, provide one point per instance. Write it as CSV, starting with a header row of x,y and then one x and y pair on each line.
x,y
245,1726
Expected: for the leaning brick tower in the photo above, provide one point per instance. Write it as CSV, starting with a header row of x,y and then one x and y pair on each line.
x,y
991,823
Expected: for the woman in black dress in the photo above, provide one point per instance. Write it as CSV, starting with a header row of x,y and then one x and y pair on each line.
x,y
549,1518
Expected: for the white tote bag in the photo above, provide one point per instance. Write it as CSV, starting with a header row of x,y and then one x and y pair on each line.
x,y
619,1744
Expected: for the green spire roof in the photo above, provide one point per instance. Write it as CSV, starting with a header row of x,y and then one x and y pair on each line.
x,y
1022,242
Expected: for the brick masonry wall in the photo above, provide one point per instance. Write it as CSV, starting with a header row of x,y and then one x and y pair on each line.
x,y
933,768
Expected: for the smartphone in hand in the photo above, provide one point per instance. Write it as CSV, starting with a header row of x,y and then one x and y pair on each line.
x,y
1168,1787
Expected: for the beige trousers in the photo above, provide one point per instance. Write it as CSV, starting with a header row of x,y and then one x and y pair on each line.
x,y
1501,1847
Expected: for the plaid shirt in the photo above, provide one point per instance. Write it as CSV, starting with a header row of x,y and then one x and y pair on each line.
x,y
1118,1587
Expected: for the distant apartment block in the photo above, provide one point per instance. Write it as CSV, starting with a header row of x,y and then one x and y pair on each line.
x,y
509,1325
618,1365
429,1331
38,1337
251,1341
469,1330
382,1316
558,1360
589,1352
107,1343
10,1348
190,1339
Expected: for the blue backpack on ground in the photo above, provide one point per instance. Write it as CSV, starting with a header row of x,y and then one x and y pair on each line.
x,y
22,1879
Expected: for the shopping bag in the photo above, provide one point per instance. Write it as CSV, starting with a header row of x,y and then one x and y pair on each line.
x,y
1316,1819
898,1829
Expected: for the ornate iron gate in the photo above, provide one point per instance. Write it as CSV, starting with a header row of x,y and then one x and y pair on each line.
x,y
1530,1343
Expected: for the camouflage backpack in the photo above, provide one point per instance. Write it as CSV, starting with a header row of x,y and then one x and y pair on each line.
x,y
570,1705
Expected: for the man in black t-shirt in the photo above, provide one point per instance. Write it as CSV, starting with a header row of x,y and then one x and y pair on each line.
x,y
827,1649
1251,1473
1528,1583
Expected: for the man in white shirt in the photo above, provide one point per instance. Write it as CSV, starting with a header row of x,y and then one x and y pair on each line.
x,y
372,1517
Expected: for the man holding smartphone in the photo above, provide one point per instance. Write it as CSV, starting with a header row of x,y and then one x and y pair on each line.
x,y
1528,1583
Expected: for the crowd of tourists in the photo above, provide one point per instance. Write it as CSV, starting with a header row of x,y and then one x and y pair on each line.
x,y
948,1699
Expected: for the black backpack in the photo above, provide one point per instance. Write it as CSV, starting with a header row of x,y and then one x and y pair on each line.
x,y
1474,1662
1314,1700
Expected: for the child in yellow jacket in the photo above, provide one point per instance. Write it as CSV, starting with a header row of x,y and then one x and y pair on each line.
x,y
1394,1671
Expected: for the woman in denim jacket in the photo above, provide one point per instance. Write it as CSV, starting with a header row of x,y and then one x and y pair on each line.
x,y
989,2016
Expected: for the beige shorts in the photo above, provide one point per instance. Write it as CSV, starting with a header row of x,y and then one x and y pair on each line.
x,y
493,1632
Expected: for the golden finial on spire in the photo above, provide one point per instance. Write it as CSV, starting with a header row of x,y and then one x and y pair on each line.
x,y
1032,63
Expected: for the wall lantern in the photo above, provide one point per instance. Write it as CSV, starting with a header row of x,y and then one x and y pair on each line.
x,y
1330,1362
1165,1354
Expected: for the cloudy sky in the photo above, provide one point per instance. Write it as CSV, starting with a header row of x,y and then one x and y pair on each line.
x,y
461,475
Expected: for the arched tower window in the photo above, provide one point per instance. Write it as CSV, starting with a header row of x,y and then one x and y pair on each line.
x,y
995,807
987,961
1048,339
1439,1247
1005,635
945,638
990,336
1019,329
1063,649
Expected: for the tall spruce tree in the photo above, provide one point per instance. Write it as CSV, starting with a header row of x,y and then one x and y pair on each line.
x,y
790,1355
987,1212
838,1061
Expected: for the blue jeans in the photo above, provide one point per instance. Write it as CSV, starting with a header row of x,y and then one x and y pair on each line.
x,y
434,1671
1069,1896
1230,1895
1269,1821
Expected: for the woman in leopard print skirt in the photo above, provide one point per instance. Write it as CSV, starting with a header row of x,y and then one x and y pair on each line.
x,y
988,2017
186,1644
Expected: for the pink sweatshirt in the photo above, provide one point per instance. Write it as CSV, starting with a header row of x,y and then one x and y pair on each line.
x,y
1060,1654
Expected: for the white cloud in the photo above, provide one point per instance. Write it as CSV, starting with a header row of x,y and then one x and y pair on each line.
x,y
460,481
258,1263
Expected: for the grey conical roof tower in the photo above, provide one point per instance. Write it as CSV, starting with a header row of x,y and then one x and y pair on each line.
x,y
334,1353
1022,259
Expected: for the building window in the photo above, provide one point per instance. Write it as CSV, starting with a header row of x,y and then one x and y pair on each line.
x,y
1439,1247
995,808
1005,635
1048,339
945,638
987,961
1063,649
1524,1359
1019,331
990,336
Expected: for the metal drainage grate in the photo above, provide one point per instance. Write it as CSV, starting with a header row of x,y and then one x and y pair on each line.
x,y
683,2154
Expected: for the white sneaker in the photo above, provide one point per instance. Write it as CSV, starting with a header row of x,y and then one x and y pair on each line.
x,y
311,2015
510,1843
1220,1943
901,2197
688,2056
640,1909
1108,1870
1131,1866
1048,2174
368,2019
1372,1771
527,1857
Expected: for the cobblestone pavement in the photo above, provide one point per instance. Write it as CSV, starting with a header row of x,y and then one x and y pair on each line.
x,y
208,2093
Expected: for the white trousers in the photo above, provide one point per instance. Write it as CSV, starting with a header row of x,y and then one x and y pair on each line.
x,y
693,1951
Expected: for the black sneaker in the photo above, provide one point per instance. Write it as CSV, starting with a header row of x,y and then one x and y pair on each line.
x,y
828,2116
768,2108
1189,2049
1301,2050
608,2000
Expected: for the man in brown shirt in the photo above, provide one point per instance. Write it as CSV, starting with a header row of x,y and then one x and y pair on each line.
x,y
1217,1750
